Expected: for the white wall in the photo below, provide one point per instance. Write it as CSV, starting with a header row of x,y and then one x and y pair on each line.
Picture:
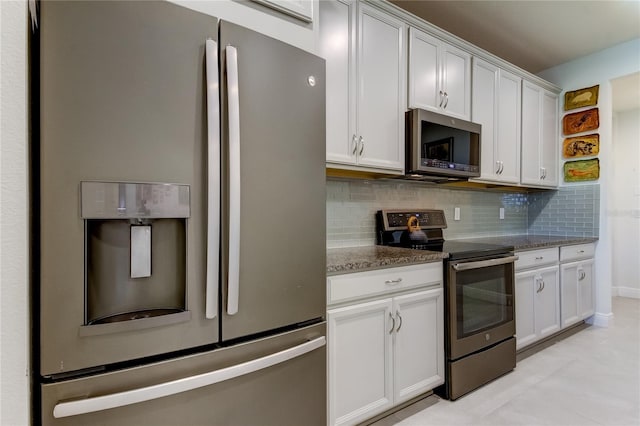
x,y
14,262
600,68
625,201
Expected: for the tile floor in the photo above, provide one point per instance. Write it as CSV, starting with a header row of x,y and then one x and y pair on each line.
x,y
589,378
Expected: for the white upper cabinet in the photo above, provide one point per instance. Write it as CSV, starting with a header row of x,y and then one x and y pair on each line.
x,y
539,136
439,76
364,49
496,105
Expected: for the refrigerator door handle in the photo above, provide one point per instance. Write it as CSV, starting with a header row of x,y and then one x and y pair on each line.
x,y
121,399
213,179
233,97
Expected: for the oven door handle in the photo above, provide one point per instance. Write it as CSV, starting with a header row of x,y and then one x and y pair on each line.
x,y
484,263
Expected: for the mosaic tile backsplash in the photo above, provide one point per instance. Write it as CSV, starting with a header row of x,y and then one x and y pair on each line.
x,y
352,205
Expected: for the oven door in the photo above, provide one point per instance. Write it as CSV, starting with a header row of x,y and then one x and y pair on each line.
x,y
481,304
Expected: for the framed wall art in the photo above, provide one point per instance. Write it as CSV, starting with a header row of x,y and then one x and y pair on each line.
x,y
581,146
581,170
579,122
581,98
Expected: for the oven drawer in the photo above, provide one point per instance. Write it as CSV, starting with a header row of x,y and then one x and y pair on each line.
x,y
578,251
360,285
536,258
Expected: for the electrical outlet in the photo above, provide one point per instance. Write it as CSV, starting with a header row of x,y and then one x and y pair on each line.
x,y
456,213
501,212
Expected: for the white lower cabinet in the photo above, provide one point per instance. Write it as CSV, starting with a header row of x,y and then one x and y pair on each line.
x,y
537,305
383,352
578,290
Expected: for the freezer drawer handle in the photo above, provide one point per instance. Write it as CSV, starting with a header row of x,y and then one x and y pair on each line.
x,y
121,399
213,180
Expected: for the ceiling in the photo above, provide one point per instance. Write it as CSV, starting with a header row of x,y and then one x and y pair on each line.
x,y
536,35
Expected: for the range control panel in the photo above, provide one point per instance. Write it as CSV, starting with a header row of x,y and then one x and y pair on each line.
x,y
397,220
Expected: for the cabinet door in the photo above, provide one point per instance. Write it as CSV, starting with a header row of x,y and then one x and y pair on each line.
x,y
424,75
586,299
527,284
539,136
484,111
548,303
418,343
509,119
550,140
456,82
531,133
569,294
360,361
337,44
381,89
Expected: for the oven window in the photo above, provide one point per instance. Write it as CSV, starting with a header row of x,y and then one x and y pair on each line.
x,y
484,299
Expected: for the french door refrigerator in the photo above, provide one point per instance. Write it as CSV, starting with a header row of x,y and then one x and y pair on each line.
x,y
179,191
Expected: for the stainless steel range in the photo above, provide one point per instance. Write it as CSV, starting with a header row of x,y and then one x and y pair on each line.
x,y
479,297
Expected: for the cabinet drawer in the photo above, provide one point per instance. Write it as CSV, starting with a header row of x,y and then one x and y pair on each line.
x,y
360,285
536,258
578,251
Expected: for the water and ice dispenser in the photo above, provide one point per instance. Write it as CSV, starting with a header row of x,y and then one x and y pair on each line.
x,y
135,254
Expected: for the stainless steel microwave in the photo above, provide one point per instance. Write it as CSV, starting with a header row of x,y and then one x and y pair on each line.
x,y
441,146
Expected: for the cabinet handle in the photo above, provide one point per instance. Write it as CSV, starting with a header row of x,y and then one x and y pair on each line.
x,y
393,325
400,318
394,282
441,99
542,281
581,251
501,167
498,169
539,280
539,257
354,142
361,145
446,100
581,275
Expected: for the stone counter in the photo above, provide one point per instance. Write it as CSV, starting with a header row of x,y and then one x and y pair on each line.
x,y
357,259
530,242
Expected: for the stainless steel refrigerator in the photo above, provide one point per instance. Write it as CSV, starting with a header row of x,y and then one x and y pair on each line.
x,y
179,229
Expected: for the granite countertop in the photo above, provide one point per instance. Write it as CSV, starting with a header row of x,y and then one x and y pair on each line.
x,y
356,259
530,242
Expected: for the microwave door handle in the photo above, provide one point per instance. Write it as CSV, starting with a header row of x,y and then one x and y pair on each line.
x,y
465,266
233,287
213,179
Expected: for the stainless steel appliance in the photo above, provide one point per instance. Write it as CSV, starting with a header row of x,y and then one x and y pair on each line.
x,y
175,159
439,147
479,298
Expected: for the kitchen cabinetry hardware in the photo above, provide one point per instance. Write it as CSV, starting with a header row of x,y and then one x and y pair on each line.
x,y
394,282
393,324
446,100
400,321
361,139
354,141
539,257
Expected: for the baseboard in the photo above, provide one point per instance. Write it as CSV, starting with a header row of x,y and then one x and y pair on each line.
x,y
600,320
631,292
